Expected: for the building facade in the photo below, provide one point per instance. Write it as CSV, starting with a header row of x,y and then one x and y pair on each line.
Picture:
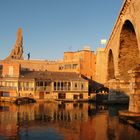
x,y
82,62
41,85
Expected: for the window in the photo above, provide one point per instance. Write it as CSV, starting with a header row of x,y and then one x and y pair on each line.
x,y
45,84
62,86
75,66
10,70
69,85
54,85
6,94
75,86
82,86
75,96
65,86
61,96
41,84
81,96
60,67
58,86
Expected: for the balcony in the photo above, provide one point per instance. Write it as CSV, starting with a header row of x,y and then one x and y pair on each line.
x,y
40,88
26,89
2,88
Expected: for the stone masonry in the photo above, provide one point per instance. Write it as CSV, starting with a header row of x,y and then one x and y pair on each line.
x,y
134,105
17,51
122,54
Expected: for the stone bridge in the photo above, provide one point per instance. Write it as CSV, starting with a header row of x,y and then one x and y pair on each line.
x,y
118,64
122,52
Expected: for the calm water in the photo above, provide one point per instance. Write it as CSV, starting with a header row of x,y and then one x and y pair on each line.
x,y
52,121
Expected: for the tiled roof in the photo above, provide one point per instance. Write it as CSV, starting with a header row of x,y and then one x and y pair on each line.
x,y
49,75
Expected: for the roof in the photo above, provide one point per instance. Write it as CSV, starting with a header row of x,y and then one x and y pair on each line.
x,y
50,75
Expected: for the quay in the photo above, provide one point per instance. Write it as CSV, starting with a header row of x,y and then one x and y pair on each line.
x,y
117,67
130,118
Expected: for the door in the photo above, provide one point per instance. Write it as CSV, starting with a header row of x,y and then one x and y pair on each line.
x,y
41,95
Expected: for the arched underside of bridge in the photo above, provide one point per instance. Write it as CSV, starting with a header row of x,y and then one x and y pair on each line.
x,y
128,50
111,74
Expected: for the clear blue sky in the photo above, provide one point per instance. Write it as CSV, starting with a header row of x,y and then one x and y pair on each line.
x,y
51,27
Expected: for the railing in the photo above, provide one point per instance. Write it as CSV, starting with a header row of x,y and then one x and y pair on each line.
x,y
43,88
11,99
62,88
8,88
26,88
71,89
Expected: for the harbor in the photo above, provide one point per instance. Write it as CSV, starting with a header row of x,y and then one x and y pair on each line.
x,y
77,121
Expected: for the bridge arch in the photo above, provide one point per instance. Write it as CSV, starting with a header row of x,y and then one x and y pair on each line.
x,y
111,70
128,56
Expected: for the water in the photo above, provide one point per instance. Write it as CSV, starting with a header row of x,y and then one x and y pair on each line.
x,y
53,121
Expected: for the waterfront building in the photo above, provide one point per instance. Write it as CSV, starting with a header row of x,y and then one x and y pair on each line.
x,y
81,61
74,65
41,85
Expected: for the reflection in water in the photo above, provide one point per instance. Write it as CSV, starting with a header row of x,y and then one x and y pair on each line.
x,y
113,110
69,121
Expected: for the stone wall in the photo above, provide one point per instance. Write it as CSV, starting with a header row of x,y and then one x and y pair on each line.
x,y
38,65
134,104
100,66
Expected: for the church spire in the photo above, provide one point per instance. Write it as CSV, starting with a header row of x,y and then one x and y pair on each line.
x,y
17,51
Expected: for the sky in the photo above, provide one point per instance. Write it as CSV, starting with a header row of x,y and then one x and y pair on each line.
x,y
52,27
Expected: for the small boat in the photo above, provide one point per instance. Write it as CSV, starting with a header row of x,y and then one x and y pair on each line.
x,y
24,100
